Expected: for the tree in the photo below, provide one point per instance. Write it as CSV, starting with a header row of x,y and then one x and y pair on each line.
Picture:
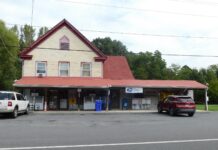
x,y
8,57
15,30
27,36
42,31
110,47
147,65
185,73
213,91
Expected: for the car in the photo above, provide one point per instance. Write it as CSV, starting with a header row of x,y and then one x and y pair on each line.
x,y
177,104
13,103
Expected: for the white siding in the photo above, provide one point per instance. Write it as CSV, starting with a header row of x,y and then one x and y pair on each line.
x,y
53,56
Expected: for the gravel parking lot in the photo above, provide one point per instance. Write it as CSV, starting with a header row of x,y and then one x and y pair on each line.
x,y
110,131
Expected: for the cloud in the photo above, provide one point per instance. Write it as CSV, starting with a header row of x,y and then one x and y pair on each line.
x,y
50,12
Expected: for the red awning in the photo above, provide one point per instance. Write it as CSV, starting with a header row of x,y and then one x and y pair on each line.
x,y
83,82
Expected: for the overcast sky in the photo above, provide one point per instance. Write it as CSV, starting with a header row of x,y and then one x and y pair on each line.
x,y
158,22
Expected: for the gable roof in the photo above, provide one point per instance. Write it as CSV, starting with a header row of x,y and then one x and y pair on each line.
x,y
64,22
117,67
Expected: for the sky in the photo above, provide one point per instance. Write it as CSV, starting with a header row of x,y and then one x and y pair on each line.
x,y
183,27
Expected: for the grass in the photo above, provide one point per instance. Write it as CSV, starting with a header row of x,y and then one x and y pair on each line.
x,y
210,107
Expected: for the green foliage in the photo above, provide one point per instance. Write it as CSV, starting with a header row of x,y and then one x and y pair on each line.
x,y
110,47
42,31
213,91
27,36
8,57
148,65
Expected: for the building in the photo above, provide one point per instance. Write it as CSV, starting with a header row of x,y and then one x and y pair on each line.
x,y
62,70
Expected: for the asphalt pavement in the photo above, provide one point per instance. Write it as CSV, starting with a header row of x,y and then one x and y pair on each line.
x,y
110,131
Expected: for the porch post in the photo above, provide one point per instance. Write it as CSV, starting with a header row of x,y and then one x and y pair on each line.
x,y
45,99
78,101
107,101
206,99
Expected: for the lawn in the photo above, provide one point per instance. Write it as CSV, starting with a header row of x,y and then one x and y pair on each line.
x,y
210,107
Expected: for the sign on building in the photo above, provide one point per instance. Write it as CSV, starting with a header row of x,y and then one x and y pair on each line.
x,y
134,90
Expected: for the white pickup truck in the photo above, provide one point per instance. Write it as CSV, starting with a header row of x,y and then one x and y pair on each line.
x,y
13,103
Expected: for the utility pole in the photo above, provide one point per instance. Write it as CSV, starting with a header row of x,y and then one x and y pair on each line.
x,y
32,13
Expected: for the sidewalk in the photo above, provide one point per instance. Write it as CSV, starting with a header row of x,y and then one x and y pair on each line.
x,y
95,112
101,112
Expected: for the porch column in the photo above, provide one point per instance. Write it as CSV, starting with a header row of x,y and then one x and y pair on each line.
x,y
78,101
45,99
206,100
107,100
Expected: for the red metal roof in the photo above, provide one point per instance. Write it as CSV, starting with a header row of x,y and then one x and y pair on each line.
x,y
116,67
83,82
64,22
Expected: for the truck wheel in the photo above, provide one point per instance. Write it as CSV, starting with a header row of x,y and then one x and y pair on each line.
x,y
171,112
15,112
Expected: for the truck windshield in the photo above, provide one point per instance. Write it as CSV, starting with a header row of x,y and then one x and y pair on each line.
x,y
6,96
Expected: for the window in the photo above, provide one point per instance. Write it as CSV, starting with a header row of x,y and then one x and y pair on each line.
x,y
86,69
64,43
20,97
41,68
6,96
64,68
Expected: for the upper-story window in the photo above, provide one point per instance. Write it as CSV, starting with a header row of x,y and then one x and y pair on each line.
x,y
41,68
64,43
86,69
64,68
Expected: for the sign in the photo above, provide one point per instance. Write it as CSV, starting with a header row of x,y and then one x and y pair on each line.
x,y
134,90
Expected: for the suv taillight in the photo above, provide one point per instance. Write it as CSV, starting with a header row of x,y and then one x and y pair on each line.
x,y
9,103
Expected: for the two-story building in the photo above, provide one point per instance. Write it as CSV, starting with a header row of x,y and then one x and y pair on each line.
x,y
63,70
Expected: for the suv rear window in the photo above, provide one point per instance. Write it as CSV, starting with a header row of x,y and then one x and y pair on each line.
x,y
186,99
7,96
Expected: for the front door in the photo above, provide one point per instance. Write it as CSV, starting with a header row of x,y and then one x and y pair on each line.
x,y
52,99
63,99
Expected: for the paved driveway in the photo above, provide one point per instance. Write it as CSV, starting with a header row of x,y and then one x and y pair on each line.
x,y
113,131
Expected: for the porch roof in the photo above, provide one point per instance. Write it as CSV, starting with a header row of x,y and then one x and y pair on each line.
x,y
86,82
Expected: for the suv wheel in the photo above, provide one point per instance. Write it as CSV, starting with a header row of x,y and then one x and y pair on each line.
x,y
15,112
171,112
27,110
159,109
190,114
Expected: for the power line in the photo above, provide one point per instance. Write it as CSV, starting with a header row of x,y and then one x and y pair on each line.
x,y
138,34
148,34
137,9
196,2
87,50
185,55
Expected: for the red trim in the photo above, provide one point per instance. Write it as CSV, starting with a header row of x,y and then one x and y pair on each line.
x,y
64,22
100,59
27,57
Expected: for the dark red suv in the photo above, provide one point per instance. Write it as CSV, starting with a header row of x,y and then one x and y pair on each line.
x,y
175,104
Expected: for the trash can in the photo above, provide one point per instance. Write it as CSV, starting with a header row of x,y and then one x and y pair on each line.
x,y
125,103
98,105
